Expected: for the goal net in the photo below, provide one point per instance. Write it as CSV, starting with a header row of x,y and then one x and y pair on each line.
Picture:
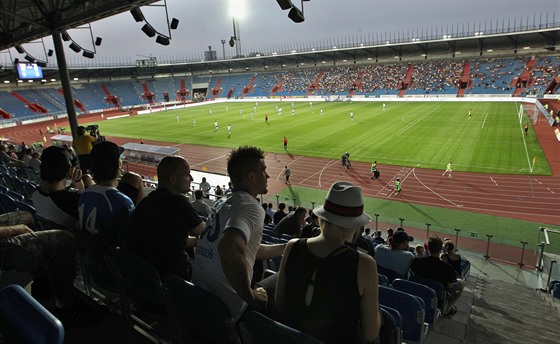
x,y
528,113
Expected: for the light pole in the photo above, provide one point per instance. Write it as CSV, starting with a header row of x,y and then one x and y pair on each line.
x,y
236,38
224,48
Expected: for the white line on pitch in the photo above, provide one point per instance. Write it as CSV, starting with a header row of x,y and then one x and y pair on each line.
x,y
484,119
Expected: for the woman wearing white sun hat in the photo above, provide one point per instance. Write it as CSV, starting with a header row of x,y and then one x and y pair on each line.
x,y
325,288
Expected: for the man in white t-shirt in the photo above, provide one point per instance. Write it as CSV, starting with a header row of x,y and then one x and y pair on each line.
x,y
230,244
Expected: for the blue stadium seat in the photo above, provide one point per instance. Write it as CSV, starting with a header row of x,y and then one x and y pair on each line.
x,y
427,294
7,203
411,309
141,287
383,280
390,274
465,268
259,329
197,315
436,286
24,320
389,333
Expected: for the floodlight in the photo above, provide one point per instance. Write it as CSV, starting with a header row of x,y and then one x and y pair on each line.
x,y
149,30
75,47
163,40
296,15
88,54
174,23
20,49
98,41
29,58
42,64
65,36
137,14
285,4
50,53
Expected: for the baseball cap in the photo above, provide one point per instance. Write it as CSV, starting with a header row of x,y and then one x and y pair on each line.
x,y
401,236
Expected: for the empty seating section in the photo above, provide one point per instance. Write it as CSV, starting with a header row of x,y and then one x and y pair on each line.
x,y
14,106
91,96
128,92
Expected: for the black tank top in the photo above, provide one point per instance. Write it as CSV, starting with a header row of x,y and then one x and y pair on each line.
x,y
333,314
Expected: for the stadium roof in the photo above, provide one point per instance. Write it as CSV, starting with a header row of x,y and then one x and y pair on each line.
x,y
23,21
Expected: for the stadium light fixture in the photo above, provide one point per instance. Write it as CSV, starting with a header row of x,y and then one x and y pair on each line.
x,y
150,31
285,4
296,15
32,59
77,48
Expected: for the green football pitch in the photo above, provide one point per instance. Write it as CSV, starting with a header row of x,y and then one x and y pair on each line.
x,y
422,134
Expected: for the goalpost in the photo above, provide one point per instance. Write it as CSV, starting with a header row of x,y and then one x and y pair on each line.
x,y
531,111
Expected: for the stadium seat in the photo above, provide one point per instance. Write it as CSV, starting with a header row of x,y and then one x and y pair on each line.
x,y
436,286
411,309
22,205
389,333
197,315
427,294
4,189
257,328
383,280
141,287
16,195
465,268
95,267
24,320
390,274
7,203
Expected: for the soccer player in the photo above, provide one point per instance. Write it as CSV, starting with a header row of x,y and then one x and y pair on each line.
x,y
194,122
448,169
470,114
285,143
352,116
229,130
398,186
526,128
321,111
266,118
216,125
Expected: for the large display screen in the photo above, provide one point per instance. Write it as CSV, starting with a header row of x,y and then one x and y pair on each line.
x,y
29,71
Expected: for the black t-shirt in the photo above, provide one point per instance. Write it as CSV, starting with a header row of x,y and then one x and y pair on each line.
x,y
433,268
158,229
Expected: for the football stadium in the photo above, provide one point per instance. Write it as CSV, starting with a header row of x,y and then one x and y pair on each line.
x,y
448,136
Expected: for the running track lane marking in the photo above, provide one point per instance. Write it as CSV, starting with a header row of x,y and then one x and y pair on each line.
x,y
493,181
327,165
288,164
435,193
393,191
531,185
314,174
207,161
550,190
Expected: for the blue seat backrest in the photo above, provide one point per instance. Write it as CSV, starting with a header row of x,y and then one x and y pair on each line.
x,y
395,314
465,268
427,294
389,333
7,203
391,275
552,284
24,320
259,329
411,309
435,285
383,280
